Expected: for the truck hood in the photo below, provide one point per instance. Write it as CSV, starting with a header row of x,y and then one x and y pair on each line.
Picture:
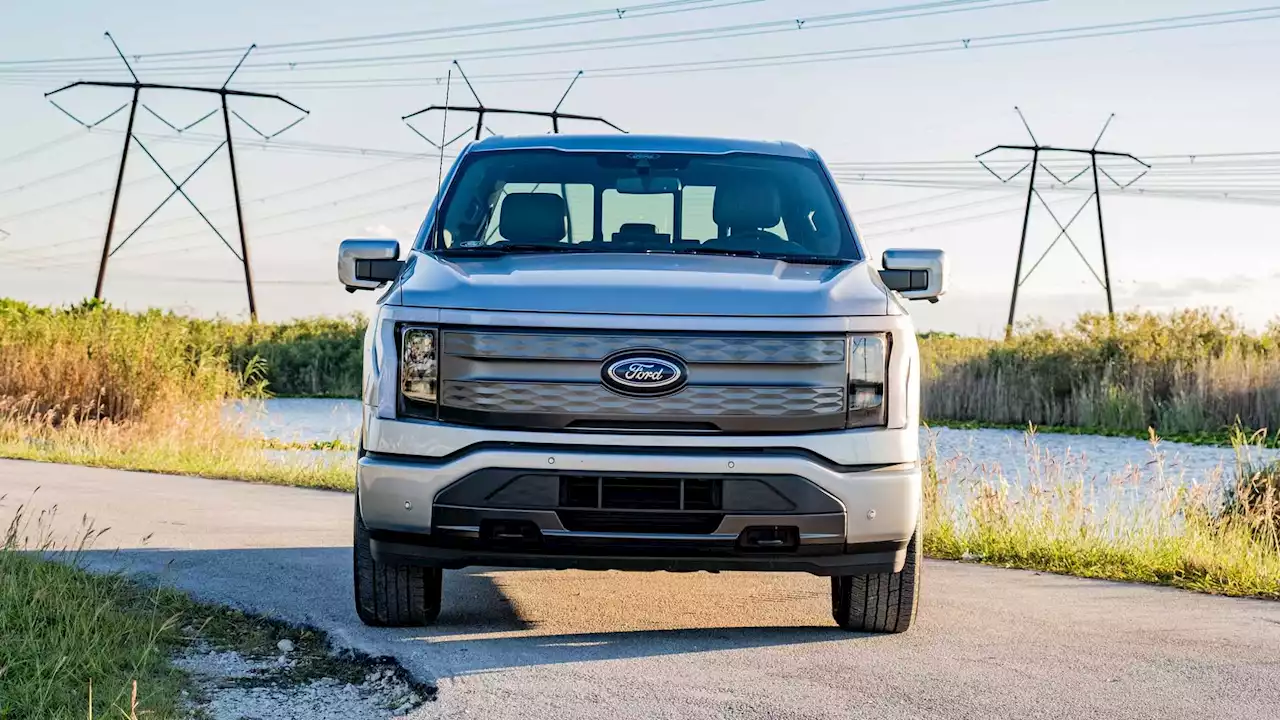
x,y
637,284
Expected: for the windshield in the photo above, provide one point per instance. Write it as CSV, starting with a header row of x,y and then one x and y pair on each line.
x,y
549,200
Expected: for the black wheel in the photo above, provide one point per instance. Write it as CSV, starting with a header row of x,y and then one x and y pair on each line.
x,y
392,595
880,602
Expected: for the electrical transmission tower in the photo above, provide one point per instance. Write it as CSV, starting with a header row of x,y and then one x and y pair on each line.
x,y
480,110
1033,193
130,138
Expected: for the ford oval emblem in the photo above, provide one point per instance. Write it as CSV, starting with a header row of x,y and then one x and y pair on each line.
x,y
644,373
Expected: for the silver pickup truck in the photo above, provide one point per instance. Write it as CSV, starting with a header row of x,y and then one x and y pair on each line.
x,y
640,353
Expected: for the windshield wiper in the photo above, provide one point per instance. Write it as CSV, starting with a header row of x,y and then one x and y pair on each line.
x,y
508,248
784,257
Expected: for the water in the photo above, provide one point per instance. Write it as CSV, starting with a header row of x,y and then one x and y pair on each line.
x,y
310,420
303,420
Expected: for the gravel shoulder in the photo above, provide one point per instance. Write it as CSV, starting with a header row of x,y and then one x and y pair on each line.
x,y
990,643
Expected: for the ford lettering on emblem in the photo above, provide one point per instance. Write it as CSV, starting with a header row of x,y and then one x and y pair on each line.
x,y
644,373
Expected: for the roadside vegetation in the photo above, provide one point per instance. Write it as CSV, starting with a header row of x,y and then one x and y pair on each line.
x,y
66,631
91,386
90,645
1191,375
1221,535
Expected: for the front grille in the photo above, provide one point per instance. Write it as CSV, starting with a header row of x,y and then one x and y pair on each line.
x,y
640,493
639,522
590,400
693,348
551,380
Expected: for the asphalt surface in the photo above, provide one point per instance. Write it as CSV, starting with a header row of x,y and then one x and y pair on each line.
x,y
989,643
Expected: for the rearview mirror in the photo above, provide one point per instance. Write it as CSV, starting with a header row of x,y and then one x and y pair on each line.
x,y
368,264
916,274
646,185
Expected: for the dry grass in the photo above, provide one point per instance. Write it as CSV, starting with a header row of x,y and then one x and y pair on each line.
x,y
89,362
177,438
1142,526
92,386
1186,373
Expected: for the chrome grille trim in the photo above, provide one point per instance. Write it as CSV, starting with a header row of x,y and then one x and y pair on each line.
x,y
741,349
583,400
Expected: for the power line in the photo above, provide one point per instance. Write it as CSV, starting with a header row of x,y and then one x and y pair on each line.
x,y
277,233
43,251
789,24
653,9
934,211
43,147
1034,37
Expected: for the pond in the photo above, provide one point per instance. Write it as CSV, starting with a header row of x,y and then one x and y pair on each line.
x,y
309,420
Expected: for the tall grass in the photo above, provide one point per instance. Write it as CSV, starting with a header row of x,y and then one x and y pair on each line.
x,y
1144,525
312,357
92,363
93,386
1185,373
75,645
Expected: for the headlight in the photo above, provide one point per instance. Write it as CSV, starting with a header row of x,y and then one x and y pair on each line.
x,y
868,367
419,370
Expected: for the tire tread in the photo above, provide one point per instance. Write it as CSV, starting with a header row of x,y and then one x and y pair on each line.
x,y
879,602
392,595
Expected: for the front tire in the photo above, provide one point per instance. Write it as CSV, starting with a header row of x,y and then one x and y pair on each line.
x,y
390,595
879,602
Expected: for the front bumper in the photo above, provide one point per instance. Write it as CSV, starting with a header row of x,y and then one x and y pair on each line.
x,y
869,512
672,556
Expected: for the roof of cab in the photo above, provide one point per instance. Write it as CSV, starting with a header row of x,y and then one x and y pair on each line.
x,y
640,143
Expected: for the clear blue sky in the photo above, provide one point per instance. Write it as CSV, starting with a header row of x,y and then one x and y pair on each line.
x,y
1192,91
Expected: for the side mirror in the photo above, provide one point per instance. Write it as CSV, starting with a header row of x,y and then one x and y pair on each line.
x,y
368,264
916,274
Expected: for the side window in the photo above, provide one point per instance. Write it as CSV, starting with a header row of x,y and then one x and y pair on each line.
x,y
618,209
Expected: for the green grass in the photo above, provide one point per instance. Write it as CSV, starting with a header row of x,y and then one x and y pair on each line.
x,y
64,630
75,644
1219,438
1143,527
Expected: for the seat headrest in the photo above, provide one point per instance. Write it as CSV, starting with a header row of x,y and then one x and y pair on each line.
x,y
637,229
746,204
532,217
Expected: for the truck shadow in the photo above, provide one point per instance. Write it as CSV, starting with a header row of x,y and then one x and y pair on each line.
x,y
480,628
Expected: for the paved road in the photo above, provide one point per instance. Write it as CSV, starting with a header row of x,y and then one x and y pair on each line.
x,y
530,644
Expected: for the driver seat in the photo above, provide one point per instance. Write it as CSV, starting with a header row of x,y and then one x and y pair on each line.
x,y
535,218
745,205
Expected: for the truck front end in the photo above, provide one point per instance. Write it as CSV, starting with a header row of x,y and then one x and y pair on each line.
x,y
645,354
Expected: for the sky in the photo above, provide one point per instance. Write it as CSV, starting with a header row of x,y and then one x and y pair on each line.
x,y
900,126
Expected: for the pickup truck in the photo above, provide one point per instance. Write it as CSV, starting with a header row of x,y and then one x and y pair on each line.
x,y
640,353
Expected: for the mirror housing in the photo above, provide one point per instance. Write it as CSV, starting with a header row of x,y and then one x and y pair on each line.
x,y
368,264
647,185
916,274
